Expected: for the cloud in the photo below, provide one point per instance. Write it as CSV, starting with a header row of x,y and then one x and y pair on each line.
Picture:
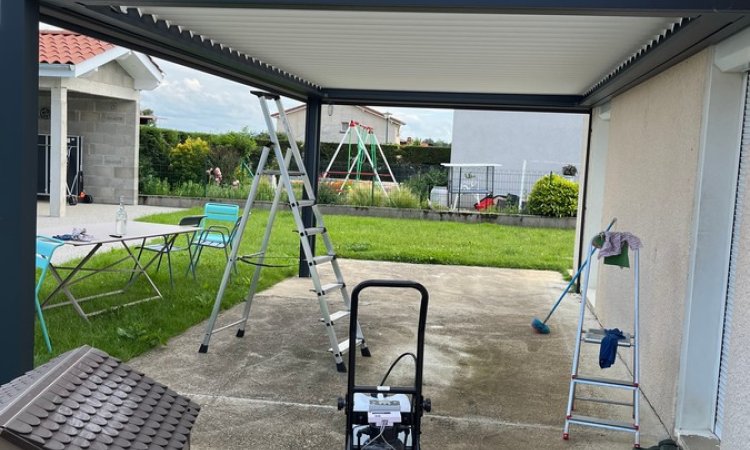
x,y
190,100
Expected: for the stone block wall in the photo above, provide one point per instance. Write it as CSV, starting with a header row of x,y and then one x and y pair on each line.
x,y
110,143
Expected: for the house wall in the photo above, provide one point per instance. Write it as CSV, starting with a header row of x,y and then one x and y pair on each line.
x,y
108,122
110,138
651,177
331,118
546,141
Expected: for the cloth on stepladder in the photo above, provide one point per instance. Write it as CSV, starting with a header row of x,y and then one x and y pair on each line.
x,y
613,247
608,349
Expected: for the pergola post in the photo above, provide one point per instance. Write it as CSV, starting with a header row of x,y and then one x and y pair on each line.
x,y
19,33
58,151
312,162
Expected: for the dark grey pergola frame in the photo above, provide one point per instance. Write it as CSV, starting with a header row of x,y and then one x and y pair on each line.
x,y
706,23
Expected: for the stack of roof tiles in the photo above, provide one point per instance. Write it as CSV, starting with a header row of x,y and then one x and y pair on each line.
x,y
86,399
65,47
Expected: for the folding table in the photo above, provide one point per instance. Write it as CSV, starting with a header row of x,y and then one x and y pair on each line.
x,y
103,233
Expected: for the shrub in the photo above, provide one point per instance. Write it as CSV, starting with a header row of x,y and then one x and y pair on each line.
x,y
150,185
364,195
328,194
422,183
403,198
553,196
189,161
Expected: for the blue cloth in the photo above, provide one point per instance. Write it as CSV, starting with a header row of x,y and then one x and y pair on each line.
x,y
608,349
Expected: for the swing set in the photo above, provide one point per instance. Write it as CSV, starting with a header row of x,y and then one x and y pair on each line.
x,y
361,152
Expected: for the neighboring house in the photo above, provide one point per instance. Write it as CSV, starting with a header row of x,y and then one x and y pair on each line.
x,y
89,91
545,141
334,121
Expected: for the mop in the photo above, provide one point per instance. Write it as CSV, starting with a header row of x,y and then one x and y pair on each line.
x,y
540,326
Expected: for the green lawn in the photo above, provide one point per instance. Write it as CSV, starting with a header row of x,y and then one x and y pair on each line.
x,y
127,332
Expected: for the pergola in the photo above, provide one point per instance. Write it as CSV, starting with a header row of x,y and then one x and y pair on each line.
x,y
532,55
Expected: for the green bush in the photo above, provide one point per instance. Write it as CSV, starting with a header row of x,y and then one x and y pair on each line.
x,y
150,185
422,183
404,198
188,161
364,195
328,194
553,196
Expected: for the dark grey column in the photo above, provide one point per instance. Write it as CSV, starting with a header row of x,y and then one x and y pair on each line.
x,y
19,33
311,157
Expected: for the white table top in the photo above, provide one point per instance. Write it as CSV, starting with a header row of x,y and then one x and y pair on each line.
x,y
103,233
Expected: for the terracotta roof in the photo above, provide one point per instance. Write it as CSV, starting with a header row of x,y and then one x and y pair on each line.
x,y
66,47
86,399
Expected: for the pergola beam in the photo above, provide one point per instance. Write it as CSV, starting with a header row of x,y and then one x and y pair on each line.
x,y
567,7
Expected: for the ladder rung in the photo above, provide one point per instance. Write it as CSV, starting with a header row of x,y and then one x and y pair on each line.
x,y
323,259
336,316
315,230
292,173
606,382
595,336
328,288
344,346
603,423
305,203
601,400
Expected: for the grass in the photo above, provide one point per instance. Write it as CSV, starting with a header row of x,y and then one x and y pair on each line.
x,y
130,331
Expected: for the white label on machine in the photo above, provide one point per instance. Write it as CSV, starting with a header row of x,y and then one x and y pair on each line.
x,y
384,412
384,418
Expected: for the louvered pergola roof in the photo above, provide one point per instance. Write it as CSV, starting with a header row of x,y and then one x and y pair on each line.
x,y
533,54
512,54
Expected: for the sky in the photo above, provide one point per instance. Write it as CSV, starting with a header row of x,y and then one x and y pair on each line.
x,y
190,100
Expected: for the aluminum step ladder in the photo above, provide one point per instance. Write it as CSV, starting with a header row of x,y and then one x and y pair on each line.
x,y
595,336
286,174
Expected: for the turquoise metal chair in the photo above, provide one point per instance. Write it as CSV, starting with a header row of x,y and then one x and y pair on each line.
x,y
217,230
45,248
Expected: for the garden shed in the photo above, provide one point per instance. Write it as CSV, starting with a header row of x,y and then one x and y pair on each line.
x,y
665,85
88,111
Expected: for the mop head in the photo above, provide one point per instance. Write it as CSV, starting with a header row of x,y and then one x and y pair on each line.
x,y
539,326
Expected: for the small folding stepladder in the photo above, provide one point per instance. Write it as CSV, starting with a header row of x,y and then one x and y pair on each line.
x,y
595,336
285,174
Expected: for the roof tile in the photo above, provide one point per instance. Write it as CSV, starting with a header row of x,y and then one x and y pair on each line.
x,y
58,406
66,47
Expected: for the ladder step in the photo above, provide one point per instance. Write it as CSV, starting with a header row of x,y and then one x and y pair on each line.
x,y
328,288
292,173
315,231
595,336
606,382
336,316
603,423
344,346
601,400
323,259
305,203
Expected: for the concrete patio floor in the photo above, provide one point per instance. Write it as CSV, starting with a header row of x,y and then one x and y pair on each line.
x,y
494,384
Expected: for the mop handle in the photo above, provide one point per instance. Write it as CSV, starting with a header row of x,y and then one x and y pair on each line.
x,y
575,277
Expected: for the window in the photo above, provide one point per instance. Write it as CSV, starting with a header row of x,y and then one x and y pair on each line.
x,y
344,127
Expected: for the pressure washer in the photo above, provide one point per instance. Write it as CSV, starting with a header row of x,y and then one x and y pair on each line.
x,y
385,417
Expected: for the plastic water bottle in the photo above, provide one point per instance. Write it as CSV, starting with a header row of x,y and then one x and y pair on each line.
x,y
121,219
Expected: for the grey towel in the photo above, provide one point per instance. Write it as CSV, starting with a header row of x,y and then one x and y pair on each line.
x,y
613,241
